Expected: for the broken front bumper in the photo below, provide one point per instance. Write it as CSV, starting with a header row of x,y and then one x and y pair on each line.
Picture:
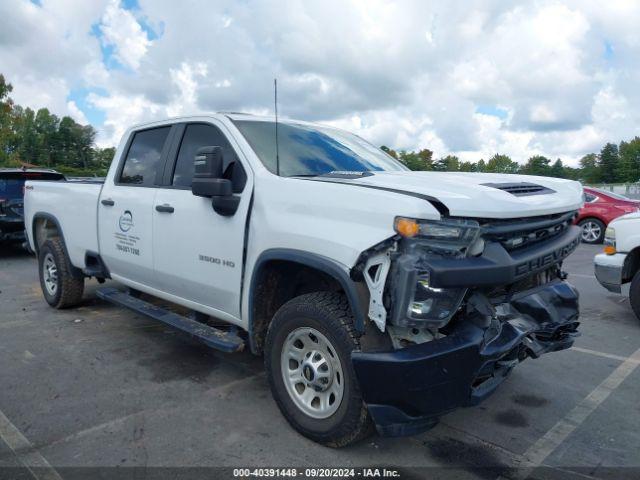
x,y
406,390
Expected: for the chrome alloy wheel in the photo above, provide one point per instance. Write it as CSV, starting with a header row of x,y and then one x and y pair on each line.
x,y
591,231
312,373
50,274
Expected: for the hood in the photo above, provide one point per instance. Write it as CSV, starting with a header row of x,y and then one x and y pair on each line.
x,y
483,195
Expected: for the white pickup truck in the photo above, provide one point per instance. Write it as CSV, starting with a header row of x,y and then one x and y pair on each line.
x,y
377,295
618,268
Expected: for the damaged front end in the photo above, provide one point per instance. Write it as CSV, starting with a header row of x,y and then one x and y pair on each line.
x,y
463,301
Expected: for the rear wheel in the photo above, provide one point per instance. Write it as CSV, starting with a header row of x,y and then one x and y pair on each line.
x,y
634,294
308,362
592,230
61,288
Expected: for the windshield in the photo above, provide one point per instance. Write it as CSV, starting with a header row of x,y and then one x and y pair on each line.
x,y
311,150
11,188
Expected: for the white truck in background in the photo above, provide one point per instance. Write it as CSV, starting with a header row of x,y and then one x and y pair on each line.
x,y
377,295
618,267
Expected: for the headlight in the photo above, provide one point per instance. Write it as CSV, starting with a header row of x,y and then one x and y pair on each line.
x,y
453,235
418,303
433,305
610,241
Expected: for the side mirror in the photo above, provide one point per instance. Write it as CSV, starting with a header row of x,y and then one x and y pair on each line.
x,y
207,173
208,182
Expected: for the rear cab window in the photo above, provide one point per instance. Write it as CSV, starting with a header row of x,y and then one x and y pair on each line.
x,y
143,157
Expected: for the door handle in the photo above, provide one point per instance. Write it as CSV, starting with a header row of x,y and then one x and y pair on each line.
x,y
166,208
107,202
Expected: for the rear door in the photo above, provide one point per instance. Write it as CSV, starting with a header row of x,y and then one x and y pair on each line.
x,y
125,209
198,254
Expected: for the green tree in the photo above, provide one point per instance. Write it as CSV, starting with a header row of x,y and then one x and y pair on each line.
x,y
630,160
450,163
481,166
421,160
557,169
102,157
572,173
589,171
608,163
27,135
501,164
468,166
7,137
537,165
47,127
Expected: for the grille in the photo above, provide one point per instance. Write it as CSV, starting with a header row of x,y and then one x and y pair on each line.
x,y
521,189
516,234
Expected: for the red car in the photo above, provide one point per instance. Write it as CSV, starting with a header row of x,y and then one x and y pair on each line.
x,y
600,208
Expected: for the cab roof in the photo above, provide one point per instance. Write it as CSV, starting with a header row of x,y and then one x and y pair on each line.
x,y
233,116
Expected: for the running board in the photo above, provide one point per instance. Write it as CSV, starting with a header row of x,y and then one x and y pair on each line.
x,y
210,336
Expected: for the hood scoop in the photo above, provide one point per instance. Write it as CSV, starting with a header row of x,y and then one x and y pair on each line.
x,y
521,189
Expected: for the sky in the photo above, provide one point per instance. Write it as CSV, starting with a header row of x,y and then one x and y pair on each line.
x,y
470,78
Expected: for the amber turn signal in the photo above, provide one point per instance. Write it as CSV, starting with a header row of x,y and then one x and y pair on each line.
x,y
609,249
407,227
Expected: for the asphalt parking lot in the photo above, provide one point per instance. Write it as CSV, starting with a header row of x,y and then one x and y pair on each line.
x,y
101,386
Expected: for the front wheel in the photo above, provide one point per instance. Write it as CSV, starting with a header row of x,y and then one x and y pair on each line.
x,y
308,362
592,230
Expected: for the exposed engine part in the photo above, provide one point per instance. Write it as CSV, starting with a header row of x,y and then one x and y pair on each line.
x,y
375,275
402,337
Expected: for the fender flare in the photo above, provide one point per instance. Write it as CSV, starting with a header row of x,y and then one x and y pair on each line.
x,y
75,271
318,262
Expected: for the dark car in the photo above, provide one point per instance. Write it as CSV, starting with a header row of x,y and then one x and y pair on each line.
x,y
11,199
601,207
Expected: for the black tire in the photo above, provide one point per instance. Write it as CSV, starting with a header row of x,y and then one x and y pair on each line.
x,y
594,225
634,294
330,315
69,284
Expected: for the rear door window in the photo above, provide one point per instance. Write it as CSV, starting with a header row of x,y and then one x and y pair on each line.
x,y
143,158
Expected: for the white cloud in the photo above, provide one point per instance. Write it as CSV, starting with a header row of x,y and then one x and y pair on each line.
x,y
185,79
409,75
75,113
121,30
122,111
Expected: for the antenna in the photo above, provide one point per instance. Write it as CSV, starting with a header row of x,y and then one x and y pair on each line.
x,y
275,101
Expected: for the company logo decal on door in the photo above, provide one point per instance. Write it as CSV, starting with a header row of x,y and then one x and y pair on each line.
x,y
125,222
126,242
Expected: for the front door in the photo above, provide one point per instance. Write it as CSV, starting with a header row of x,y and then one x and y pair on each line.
x,y
125,209
198,254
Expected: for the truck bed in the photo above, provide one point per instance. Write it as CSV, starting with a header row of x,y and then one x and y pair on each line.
x,y
74,204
